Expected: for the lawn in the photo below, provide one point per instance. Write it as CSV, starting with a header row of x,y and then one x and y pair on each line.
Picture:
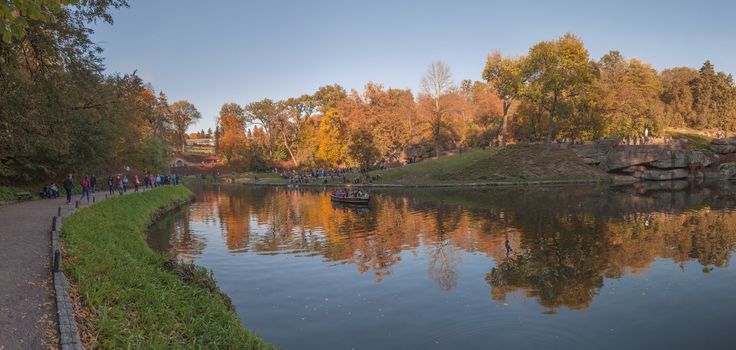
x,y
136,298
514,163
696,139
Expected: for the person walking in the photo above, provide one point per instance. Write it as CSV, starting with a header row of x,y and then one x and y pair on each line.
x,y
68,187
111,185
136,182
118,185
146,181
85,188
125,183
93,183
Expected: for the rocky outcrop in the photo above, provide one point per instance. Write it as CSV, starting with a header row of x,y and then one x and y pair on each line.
x,y
681,158
662,162
594,153
723,146
727,170
664,175
624,157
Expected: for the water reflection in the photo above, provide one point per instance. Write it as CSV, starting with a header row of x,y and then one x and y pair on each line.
x,y
556,245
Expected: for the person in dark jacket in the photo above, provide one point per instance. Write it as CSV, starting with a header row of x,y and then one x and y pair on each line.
x,y
68,187
93,183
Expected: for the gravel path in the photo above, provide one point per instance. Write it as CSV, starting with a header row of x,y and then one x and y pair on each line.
x,y
28,317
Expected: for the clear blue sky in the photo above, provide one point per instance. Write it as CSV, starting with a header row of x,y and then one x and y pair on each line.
x,y
212,52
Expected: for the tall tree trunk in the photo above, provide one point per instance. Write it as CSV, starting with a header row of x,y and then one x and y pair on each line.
x,y
550,122
504,131
291,154
438,120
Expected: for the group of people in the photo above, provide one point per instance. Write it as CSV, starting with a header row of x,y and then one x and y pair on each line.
x,y
115,184
328,176
50,191
350,194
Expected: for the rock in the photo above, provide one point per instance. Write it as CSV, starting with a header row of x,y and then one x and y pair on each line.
x,y
727,169
625,157
591,161
722,149
664,175
724,141
595,152
681,158
634,169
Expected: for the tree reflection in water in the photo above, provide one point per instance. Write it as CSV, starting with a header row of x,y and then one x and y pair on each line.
x,y
557,245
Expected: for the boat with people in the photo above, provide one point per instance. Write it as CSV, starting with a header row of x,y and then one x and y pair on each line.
x,y
356,197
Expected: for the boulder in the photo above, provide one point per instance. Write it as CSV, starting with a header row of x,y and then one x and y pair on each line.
x,y
594,153
624,157
634,169
724,141
664,175
680,158
722,149
727,169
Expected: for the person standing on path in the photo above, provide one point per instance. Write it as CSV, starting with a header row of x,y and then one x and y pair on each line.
x,y
85,188
136,182
93,183
68,187
125,183
111,185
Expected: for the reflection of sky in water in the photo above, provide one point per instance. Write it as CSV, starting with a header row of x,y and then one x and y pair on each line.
x,y
573,280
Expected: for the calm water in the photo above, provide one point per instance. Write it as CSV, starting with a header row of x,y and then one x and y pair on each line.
x,y
539,268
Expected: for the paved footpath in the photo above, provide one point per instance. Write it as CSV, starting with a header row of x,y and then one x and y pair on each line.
x,y
28,317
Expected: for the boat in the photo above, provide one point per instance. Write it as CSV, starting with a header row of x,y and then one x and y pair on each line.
x,y
350,200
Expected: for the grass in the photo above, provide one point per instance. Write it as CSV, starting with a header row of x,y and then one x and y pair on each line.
x,y
696,139
514,163
8,193
136,297
199,150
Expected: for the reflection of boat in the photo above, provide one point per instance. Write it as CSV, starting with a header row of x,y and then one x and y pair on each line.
x,y
349,200
356,208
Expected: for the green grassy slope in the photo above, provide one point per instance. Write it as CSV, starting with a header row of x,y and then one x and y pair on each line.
x,y
516,163
136,298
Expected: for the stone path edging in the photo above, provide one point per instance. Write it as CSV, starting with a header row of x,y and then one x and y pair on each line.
x,y
68,331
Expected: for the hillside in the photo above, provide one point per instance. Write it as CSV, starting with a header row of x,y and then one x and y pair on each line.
x,y
515,163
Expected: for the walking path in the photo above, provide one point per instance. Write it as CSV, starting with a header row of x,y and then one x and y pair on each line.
x,y
28,316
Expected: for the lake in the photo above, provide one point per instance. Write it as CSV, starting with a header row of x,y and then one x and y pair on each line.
x,y
573,267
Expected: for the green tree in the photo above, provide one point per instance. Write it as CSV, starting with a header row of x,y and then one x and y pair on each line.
x,y
183,114
505,75
557,71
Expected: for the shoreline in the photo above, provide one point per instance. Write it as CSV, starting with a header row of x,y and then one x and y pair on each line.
x,y
128,295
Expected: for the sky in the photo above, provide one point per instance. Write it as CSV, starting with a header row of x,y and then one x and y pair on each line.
x,y
216,51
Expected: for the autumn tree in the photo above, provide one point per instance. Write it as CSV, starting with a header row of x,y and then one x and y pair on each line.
x,y
264,113
232,142
183,114
437,83
630,98
556,72
677,96
505,76
362,149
